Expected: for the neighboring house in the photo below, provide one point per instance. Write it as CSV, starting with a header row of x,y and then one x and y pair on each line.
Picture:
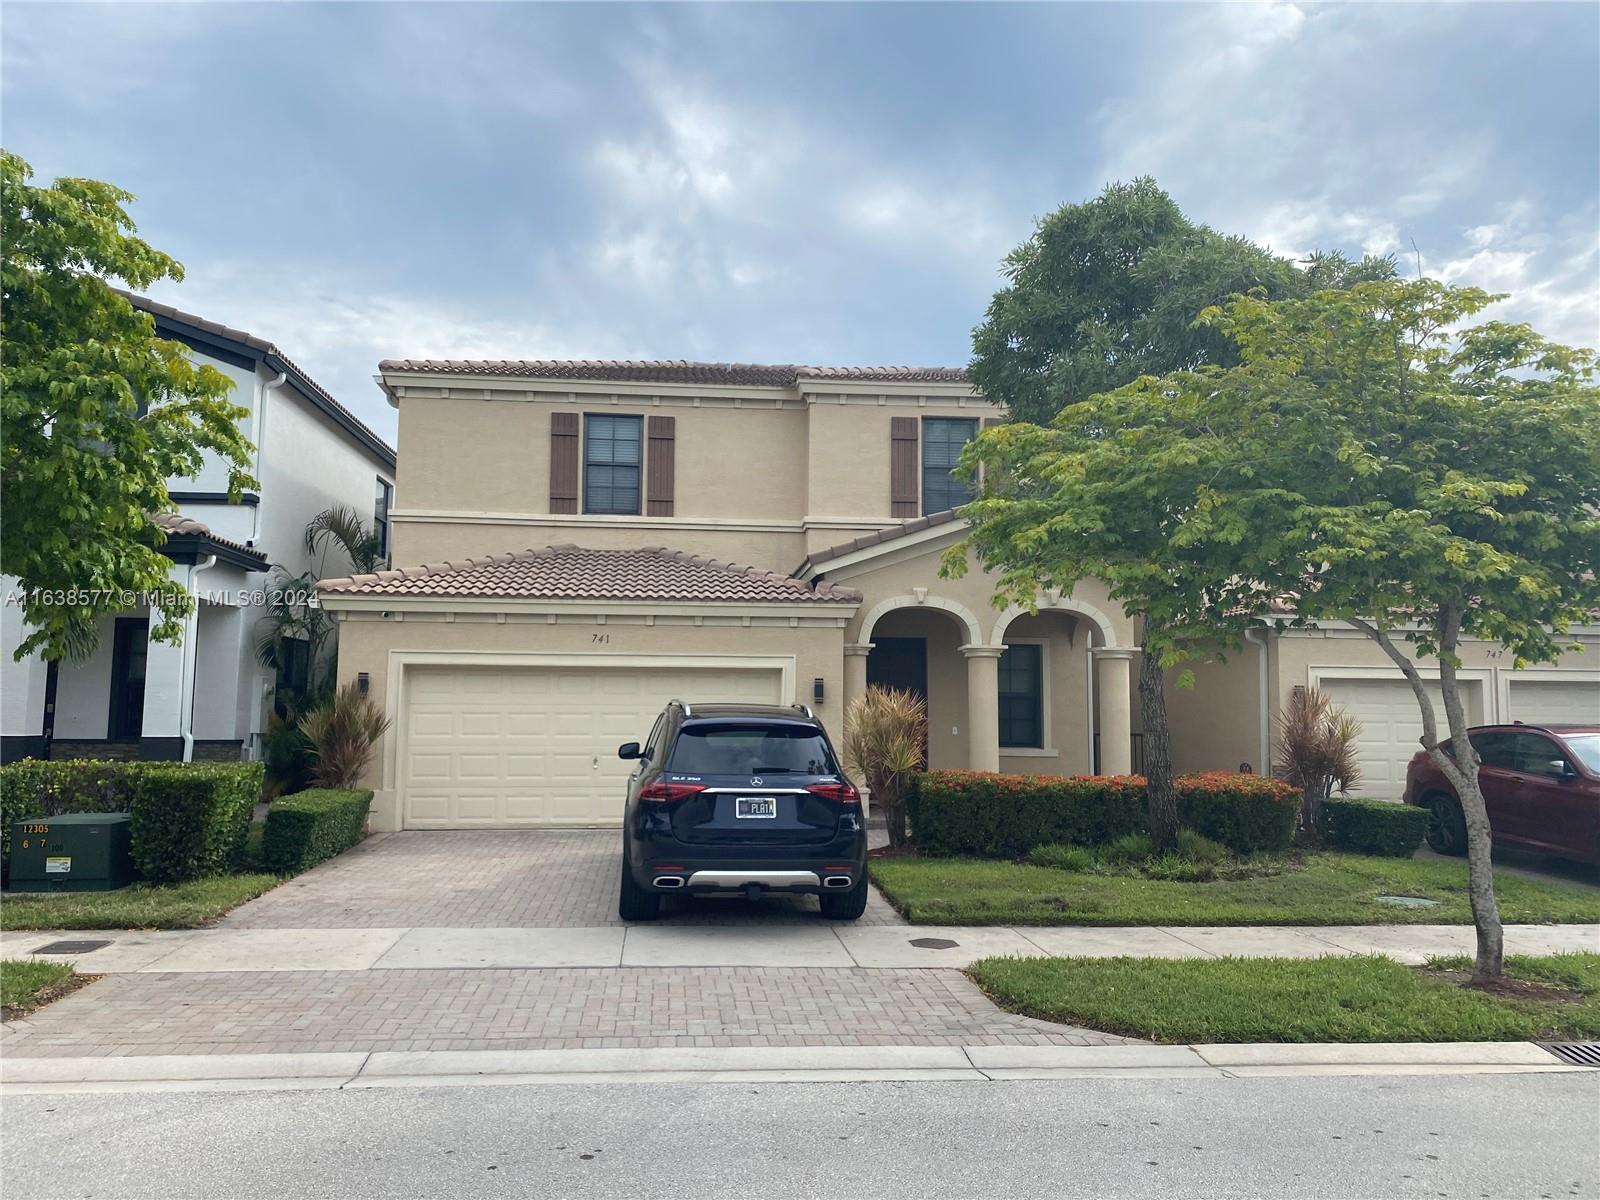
x,y
804,512
208,697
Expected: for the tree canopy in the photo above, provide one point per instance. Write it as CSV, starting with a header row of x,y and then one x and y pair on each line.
x,y
1107,291
98,413
1371,458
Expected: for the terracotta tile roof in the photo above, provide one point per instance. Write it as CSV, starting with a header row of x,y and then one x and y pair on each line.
x,y
176,525
893,533
279,361
670,371
577,573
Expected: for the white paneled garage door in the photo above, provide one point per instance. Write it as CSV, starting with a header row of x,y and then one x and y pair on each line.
x,y
532,746
1555,701
1391,723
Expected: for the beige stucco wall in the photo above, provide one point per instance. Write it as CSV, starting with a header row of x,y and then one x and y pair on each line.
x,y
436,541
366,643
1067,642
1216,724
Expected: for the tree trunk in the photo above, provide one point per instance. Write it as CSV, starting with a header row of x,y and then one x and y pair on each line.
x,y
1490,961
894,813
1161,797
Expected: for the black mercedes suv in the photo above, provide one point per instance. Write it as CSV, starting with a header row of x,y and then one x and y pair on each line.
x,y
740,799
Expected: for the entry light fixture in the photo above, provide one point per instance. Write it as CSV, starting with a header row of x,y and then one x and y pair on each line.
x,y
363,682
816,690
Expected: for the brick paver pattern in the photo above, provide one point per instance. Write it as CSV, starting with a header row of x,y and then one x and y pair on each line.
x,y
338,1011
494,879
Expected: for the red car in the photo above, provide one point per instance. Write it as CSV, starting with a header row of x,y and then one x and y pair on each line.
x,y
1541,785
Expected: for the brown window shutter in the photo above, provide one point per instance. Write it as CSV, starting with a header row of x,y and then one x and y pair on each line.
x,y
661,465
991,422
903,491
564,462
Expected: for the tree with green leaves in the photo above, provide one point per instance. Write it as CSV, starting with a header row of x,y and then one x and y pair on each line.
x,y
97,411
1103,294
1370,456
1424,480
1102,493
1107,291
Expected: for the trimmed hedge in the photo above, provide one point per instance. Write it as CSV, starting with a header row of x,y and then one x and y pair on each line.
x,y
312,826
1005,816
187,820
1246,813
1372,827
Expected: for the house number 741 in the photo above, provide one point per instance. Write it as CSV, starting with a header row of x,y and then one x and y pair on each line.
x,y
601,638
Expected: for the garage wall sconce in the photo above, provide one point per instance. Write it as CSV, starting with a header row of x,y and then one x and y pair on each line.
x,y
363,682
816,690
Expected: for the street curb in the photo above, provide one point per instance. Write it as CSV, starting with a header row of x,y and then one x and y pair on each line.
x,y
818,1064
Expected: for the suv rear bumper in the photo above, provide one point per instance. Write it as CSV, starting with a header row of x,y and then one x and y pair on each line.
x,y
672,866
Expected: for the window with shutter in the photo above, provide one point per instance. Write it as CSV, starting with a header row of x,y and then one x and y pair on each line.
x,y
563,462
662,474
613,454
902,467
942,441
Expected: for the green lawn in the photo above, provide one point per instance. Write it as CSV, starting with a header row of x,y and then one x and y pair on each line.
x,y
21,981
1293,1000
140,906
1325,889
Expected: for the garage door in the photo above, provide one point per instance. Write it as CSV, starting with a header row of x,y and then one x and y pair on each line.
x,y
519,747
1555,701
1391,723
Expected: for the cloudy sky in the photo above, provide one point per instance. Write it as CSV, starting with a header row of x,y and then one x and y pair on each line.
x,y
830,183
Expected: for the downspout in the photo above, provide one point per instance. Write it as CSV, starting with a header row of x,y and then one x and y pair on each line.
x,y
191,634
259,436
1258,639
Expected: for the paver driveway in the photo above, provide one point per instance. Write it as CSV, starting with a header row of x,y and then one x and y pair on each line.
x,y
493,879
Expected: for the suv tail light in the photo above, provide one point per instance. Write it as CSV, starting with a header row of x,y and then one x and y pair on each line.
x,y
843,793
669,791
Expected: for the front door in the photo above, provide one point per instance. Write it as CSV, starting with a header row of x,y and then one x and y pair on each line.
x,y
900,663
127,678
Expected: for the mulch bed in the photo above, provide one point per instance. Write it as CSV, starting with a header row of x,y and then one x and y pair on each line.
x,y
1512,989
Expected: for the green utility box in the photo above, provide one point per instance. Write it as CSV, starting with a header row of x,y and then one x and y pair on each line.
x,y
80,852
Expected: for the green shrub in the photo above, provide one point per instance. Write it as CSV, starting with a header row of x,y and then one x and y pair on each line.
x,y
309,827
1063,857
1129,848
1005,816
1199,849
1372,827
187,820
1246,813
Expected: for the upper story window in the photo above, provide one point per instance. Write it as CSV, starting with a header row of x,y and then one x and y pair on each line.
x,y
942,441
1022,696
613,452
380,516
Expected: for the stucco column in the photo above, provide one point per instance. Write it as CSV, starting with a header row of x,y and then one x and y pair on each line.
x,y
855,670
983,706
1112,670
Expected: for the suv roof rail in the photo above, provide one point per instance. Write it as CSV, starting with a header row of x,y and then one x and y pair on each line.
x,y
806,711
680,704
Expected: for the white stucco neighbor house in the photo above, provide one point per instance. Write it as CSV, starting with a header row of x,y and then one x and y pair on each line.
x,y
208,697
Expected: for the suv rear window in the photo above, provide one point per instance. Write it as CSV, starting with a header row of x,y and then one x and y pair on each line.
x,y
735,748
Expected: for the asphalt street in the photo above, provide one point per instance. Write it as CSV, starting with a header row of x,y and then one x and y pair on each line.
x,y
1404,1136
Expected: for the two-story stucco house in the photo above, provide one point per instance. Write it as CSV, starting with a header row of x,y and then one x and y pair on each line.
x,y
209,697
600,537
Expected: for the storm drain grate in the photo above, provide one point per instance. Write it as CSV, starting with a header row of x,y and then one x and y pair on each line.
x,y
1579,1054
70,947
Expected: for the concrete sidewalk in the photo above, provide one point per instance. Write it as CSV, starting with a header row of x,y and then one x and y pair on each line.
x,y
815,1064
816,946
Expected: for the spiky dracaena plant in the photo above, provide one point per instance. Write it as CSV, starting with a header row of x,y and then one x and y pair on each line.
x,y
342,731
885,731
1316,750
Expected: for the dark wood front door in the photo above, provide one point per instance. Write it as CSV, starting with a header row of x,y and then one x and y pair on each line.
x,y
899,662
127,678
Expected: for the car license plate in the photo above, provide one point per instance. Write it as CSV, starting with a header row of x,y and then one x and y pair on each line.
x,y
755,806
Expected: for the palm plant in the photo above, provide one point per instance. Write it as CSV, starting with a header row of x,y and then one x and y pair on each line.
x,y
884,733
343,527
342,731
1316,750
292,615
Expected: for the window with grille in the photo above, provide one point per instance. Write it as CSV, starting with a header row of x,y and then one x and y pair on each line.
x,y
613,450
